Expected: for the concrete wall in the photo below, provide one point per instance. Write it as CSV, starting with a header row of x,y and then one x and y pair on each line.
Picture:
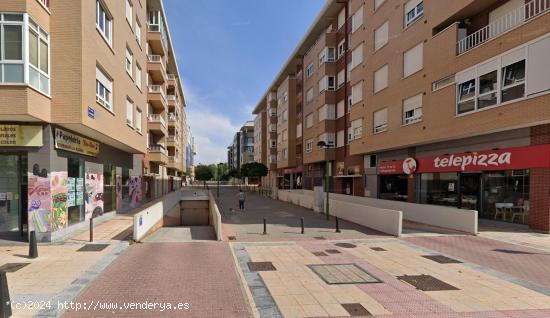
x,y
151,216
302,198
215,216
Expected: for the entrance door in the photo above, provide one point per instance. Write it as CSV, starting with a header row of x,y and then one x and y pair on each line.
x,y
470,191
10,204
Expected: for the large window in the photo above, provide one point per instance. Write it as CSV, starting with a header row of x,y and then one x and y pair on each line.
x,y
104,89
39,63
129,10
310,70
104,22
356,129
513,81
326,112
356,93
439,188
414,9
11,51
466,96
394,187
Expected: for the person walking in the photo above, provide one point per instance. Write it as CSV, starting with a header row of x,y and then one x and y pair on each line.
x,y
242,198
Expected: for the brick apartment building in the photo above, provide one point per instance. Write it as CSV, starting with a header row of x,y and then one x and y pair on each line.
x,y
241,149
91,110
434,102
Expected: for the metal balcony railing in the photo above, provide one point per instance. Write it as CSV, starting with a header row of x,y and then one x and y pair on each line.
x,y
157,89
171,138
171,97
507,22
158,148
157,118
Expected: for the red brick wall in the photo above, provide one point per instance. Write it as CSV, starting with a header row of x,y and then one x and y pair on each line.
x,y
539,212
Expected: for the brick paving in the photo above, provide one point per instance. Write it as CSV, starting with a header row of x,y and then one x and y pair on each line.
x,y
522,262
201,274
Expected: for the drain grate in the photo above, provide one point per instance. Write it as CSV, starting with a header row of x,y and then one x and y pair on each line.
x,y
12,267
319,238
336,274
426,283
378,249
442,259
261,266
512,251
345,245
320,254
333,251
92,248
356,309
232,238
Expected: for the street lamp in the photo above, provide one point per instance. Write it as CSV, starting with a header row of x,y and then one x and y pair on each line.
x,y
218,173
324,145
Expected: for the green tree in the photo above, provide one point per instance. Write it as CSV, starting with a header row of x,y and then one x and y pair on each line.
x,y
253,170
203,173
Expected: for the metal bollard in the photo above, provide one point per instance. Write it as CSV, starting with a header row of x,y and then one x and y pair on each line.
x,y
302,222
33,248
337,226
265,227
91,229
5,302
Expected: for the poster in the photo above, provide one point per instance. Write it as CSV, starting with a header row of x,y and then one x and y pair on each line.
x,y
135,191
71,183
79,198
59,190
93,194
118,189
71,199
3,196
40,201
79,184
9,196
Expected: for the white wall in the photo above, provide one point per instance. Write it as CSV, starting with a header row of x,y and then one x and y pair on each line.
x,y
302,198
215,216
151,214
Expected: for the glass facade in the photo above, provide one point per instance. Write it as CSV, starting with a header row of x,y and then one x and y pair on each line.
x,y
394,187
439,188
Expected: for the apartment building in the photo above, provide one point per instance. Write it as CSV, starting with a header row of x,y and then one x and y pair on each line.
x,y
265,137
444,103
241,149
73,113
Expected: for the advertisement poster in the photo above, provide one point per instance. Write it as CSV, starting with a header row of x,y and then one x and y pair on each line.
x,y
93,194
118,189
40,201
59,190
135,191
71,199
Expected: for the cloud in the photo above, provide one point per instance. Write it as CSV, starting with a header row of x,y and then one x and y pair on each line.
x,y
213,131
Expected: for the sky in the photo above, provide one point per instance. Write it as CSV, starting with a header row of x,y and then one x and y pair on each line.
x,y
228,53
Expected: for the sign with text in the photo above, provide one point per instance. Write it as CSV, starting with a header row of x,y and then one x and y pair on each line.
x,y
74,143
20,136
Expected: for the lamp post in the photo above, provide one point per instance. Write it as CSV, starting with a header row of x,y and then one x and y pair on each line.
x,y
324,145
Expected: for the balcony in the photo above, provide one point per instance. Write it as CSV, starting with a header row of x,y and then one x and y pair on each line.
x,y
157,153
157,124
171,141
174,163
157,97
156,68
503,24
172,100
171,80
157,38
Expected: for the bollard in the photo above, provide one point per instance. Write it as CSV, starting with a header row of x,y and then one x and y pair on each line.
x,y
91,229
5,305
33,248
265,227
337,226
302,222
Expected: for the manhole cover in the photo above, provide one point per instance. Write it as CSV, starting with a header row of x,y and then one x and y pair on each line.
x,y
426,283
378,249
319,238
334,274
232,238
441,259
12,267
356,309
92,248
345,245
261,266
332,251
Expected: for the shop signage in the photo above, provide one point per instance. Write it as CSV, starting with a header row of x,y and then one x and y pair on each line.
x,y
299,169
502,159
91,112
75,143
409,166
340,169
20,136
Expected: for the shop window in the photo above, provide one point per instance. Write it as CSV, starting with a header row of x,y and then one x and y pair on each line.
x,y
513,81
439,188
487,95
75,186
394,187
511,188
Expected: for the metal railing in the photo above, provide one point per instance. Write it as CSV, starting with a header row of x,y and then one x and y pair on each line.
x,y
157,89
158,148
157,118
171,97
171,77
507,22
171,138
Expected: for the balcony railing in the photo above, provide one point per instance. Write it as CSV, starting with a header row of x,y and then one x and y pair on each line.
x,y
45,3
157,118
171,77
173,159
157,89
171,97
158,148
507,22
171,138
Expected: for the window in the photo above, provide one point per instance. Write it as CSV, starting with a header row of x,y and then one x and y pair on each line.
x,y
340,138
341,77
357,129
341,48
299,130
378,3
327,55
309,146
309,95
310,70
138,31
357,20
11,54
341,18
103,22
444,82
285,135
39,77
381,36
272,127
104,89
273,143
357,56
327,83
412,60
370,161
414,9
138,119
129,12
285,153
381,78
328,138
273,112
138,76
129,112
326,112
513,81
309,120
487,94
340,109
129,59
285,115
380,120
356,93
466,96
412,109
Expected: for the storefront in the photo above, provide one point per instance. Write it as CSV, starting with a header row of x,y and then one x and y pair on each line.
x,y
348,179
291,178
489,181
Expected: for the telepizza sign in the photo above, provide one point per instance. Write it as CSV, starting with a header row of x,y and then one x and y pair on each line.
x,y
502,159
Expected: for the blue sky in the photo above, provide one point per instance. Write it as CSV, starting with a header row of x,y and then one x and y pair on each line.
x,y
228,52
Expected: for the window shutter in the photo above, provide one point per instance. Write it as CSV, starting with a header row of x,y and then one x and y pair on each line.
x,y
412,103
411,5
357,56
357,93
538,64
381,36
412,60
381,117
357,20
381,78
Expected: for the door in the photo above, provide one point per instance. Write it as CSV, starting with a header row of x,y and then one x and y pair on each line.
x,y
10,204
470,191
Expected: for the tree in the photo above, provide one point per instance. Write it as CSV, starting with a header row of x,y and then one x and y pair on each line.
x,y
253,170
203,173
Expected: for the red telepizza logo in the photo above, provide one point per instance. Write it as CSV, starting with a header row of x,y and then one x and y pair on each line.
x,y
409,166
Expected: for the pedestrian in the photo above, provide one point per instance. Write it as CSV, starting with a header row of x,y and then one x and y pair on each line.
x,y
241,199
